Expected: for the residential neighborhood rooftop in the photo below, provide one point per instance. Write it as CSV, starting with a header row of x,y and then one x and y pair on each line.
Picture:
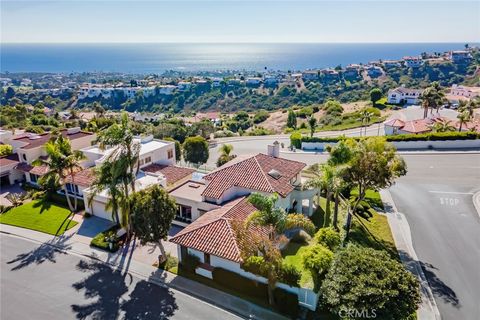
x,y
173,174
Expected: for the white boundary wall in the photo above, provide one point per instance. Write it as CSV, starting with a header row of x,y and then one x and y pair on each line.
x,y
409,145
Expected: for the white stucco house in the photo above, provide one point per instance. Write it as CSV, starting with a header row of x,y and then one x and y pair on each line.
x,y
402,95
412,62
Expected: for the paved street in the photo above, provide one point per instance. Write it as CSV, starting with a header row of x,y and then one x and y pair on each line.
x,y
436,197
37,282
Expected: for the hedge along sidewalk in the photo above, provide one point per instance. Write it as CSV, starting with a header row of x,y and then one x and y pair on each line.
x,y
121,261
402,236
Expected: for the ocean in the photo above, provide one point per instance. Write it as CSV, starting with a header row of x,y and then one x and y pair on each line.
x,y
159,57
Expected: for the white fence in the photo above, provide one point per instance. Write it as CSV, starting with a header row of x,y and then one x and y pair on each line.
x,y
409,145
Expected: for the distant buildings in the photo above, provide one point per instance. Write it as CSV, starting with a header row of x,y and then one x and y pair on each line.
x,y
412,62
460,56
402,95
374,71
352,70
310,75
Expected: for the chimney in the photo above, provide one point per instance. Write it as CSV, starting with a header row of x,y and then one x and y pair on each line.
x,y
274,149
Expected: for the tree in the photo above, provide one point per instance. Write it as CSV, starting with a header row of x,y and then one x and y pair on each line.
x,y
312,122
291,119
267,213
384,285
463,118
153,211
432,98
251,243
225,154
375,95
62,162
5,150
318,259
443,125
195,150
374,165
9,94
365,118
99,110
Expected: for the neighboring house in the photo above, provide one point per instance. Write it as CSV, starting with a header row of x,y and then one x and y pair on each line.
x,y
8,174
459,92
216,82
214,117
412,62
253,82
418,126
352,70
310,75
374,71
166,89
402,95
460,56
330,74
389,64
156,165
270,80
32,147
183,85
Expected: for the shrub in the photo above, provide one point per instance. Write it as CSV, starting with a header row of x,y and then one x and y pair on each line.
x,y
103,239
286,302
296,140
289,275
5,150
170,263
317,258
189,263
328,237
260,116
241,284
4,209
254,265
298,220
305,112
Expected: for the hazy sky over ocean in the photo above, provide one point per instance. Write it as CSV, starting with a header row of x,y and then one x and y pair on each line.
x,y
240,21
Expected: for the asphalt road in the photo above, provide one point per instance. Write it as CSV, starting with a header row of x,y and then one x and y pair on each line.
x,y
37,282
436,197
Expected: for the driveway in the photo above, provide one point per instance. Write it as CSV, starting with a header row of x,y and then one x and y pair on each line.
x,y
416,112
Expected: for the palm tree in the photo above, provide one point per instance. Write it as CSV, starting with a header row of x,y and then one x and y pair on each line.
x,y
463,118
443,125
62,162
225,154
365,118
267,213
432,97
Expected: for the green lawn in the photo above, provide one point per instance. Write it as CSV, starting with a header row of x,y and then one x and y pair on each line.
x,y
292,255
39,215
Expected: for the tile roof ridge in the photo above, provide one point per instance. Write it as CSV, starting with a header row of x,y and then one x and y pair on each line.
x,y
272,189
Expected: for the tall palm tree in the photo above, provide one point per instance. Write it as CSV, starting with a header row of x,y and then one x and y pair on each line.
x,y
62,162
365,118
432,98
463,118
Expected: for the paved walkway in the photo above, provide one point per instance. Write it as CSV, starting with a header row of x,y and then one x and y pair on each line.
x,y
400,228
126,261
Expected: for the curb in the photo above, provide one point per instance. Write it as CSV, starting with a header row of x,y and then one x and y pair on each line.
x,y
402,236
412,153
476,202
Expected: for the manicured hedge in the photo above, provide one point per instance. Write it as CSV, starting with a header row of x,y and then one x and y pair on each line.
x,y
241,284
434,136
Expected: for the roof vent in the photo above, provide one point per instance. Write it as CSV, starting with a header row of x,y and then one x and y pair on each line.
x,y
274,174
33,137
193,185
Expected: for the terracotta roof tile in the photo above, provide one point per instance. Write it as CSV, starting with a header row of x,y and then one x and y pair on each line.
x,y
212,233
83,178
9,160
253,173
41,139
27,168
171,173
417,126
395,123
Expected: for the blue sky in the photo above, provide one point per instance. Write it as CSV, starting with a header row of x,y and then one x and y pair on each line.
x,y
240,21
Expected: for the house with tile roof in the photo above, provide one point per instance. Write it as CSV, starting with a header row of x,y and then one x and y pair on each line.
x,y
402,95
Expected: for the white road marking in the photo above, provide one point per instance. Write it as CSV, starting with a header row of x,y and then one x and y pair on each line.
x,y
449,192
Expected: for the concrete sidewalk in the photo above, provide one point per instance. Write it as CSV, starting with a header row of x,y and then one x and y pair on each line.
x,y
123,260
400,228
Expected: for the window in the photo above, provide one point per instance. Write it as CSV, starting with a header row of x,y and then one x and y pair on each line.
x,y
184,213
206,258
170,154
142,162
24,156
148,159
33,178
72,188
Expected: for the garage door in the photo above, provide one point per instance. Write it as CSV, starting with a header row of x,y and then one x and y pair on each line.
x,y
98,209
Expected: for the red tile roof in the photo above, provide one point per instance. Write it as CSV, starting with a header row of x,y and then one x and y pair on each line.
x,y
9,160
397,123
212,233
37,140
417,126
172,173
253,173
27,168
83,178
